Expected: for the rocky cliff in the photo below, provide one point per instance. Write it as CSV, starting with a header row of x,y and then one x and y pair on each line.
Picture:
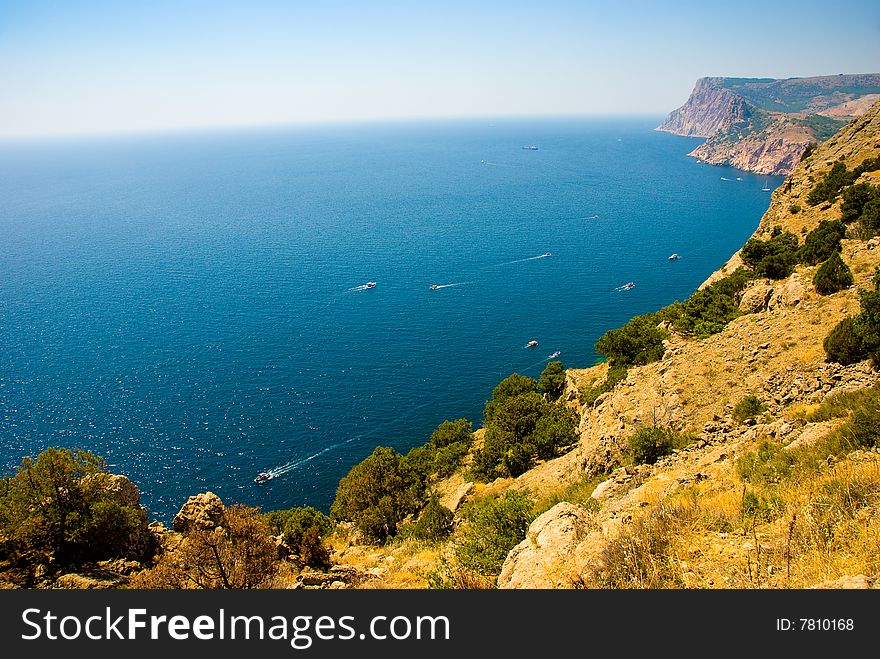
x,y
688,519
764,125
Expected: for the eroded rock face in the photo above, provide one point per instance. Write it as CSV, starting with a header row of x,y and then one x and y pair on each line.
x,y
203,510
543,559
756,298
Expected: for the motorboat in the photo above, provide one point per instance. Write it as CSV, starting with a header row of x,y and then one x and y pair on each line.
x,y
674,257
264,476
547,254
530,147
554,355
434,287
370,284
629,286
531,344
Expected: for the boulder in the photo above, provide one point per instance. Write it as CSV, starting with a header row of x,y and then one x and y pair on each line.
x,y
203,510
789,294
756,298
537,562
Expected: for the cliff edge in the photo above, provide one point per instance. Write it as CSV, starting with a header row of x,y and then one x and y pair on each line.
x,y
763,125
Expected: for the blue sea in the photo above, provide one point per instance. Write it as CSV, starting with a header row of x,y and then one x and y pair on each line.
x,y
191,306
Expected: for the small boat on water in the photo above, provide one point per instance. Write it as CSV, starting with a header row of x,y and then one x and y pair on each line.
x,y
628,286
547,254
674,257
530,147
370,284
434,287
264,476
531,344
554,355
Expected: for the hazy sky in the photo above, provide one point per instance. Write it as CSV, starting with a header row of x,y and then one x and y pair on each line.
x,y
73,67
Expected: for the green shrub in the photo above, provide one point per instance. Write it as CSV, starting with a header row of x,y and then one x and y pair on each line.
x,y
303,529
822,242
831,184
447,433
492,527
757,508
62,508
648,444
638,342
615,375
522,429
378,493
869,221
832,276
794,209
748,408
434,522
774,258
552,380
867,323
843,344
770,464
708,310
854,199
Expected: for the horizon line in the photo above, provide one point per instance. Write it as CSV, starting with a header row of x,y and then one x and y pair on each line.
x,y
305,123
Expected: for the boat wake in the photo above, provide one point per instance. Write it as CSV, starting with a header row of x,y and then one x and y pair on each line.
x,y
531,258
437,287
626,287
296,464
363,287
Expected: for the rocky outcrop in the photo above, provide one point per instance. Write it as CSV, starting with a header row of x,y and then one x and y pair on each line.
x,y
764,125
543,559
203,511
709,110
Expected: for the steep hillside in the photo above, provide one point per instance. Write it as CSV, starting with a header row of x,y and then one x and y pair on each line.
x,y
763,125
764,501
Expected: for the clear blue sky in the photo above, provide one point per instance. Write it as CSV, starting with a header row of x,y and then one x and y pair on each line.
x,y
74,67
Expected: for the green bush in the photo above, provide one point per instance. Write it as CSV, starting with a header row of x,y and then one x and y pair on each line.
x,y
832,276
615,375
708,310
520,430
61,508
303,529
492,527
648,444
843,344
822,242
869,221
434,522
757,508
867,322
770,464
831,184
794,209
774,258
552,380
748,408
638,342
378,493
854,199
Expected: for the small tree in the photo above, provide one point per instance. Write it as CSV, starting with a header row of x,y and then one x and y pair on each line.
x,y
62,508
493,526
237,554
832,276
378,493
649,444
748,408
552,380
303,529
843,345
869,222
434,523
854,199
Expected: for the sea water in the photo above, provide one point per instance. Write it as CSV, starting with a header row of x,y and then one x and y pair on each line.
x,y
193,306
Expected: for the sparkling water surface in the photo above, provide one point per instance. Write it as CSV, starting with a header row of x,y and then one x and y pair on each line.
x,y
191,306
